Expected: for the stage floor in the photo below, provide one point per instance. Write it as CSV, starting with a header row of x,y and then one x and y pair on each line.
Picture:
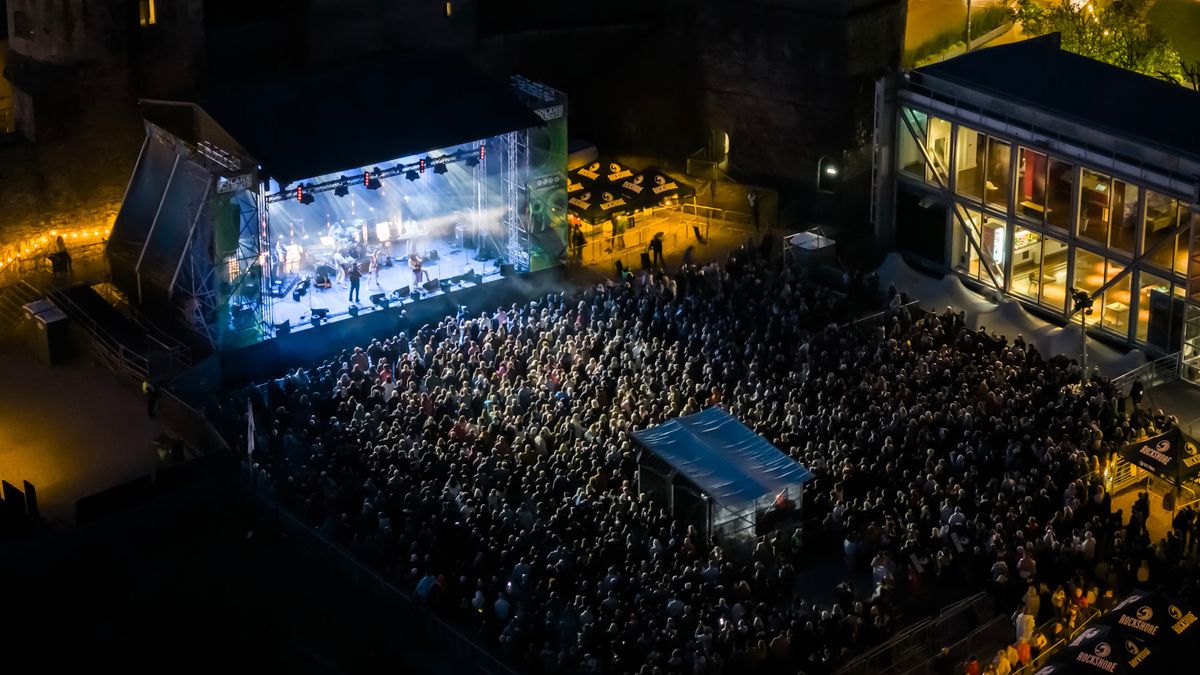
x,y
451,263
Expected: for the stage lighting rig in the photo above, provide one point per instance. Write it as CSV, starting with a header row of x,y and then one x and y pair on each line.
x,y
412,175
440,169
304,194
343,188
371,179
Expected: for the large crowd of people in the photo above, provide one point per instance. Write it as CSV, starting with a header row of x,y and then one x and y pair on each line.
x,y
486,464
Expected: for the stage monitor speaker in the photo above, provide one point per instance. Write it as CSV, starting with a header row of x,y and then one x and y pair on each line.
x,y
381,300
507,269
320,312
283,328
401,292
431,285
353,310
475,278
446,284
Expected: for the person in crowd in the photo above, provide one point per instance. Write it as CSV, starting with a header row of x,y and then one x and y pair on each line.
x,y
487,463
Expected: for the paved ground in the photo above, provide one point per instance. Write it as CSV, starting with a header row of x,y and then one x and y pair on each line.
x,y
71,430
181,589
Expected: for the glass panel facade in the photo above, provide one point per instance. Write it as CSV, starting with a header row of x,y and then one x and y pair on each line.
x,y
1153,295
937,135
1031,184
1054,273
1026,263
1122,231
1094,202
998,186
1079,227
969,162
1161,214
1115,306
990,236
909,158
1060,185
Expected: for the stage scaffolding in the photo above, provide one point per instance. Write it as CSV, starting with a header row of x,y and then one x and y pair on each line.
x,y
514,180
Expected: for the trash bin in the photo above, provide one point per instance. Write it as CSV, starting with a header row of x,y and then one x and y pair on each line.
x,y
50,339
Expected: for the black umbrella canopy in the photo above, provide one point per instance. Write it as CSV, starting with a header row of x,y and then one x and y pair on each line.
x,y
591,194
1169,455
652,186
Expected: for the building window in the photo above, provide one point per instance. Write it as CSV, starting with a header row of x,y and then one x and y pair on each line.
x,y
1026,263
1031,184
1094,201
1162,213
937,138
1122,232
1114,308
989,235
969,162
998,186
1054,273
22,27
1060,186
147,12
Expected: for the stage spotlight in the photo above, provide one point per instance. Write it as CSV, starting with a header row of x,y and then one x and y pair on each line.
x,y
342,189
353,310
412,175
371,179
440,169
381,300
303,194
471,161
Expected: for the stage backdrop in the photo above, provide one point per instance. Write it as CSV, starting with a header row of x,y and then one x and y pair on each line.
x,y
547,187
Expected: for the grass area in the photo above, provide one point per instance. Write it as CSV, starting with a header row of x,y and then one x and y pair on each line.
x,y
982,22
1179,20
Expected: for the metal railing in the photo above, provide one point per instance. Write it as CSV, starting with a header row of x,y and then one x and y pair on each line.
x,y
726,216
634,241
909,649
115,355
1159,371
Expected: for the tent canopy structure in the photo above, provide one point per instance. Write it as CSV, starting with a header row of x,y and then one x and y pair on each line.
x,y
724,458
1170,455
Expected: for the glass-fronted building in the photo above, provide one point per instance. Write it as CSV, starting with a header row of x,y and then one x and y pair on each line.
x,y
1032,171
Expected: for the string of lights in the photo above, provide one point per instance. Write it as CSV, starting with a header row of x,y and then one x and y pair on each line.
x,y
371,180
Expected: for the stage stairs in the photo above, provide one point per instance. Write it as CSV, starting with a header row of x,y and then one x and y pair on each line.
x,y
12,303
124,343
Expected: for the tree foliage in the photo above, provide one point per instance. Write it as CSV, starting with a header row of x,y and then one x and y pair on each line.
x,y
1115,32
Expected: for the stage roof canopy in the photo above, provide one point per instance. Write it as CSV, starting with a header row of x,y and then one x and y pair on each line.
x,y
723,457
327,119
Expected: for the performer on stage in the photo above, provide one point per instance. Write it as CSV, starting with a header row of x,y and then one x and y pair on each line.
x,y
377,259
414,264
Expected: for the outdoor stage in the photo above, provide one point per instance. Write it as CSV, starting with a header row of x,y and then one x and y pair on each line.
x,y
446,266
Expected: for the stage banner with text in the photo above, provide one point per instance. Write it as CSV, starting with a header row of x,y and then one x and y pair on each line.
x,y
547,184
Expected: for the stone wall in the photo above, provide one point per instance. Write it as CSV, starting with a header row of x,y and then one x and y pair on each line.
x,y
793,80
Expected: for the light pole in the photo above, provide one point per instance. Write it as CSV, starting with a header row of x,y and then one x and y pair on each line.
x,y
1082,303
968,26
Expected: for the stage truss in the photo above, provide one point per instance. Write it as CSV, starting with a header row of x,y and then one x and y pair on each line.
x,y
513,178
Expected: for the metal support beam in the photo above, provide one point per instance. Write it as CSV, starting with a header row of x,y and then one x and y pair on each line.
x,y
931,162
1136,261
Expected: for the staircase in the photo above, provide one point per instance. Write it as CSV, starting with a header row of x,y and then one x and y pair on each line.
x,y
12,301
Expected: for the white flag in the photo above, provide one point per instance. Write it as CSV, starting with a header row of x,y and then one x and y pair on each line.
x,y
250,432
